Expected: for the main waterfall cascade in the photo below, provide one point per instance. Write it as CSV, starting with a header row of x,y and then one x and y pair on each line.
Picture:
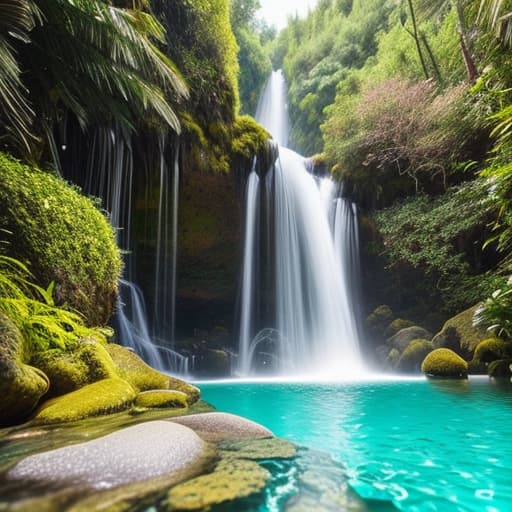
x,y
315,264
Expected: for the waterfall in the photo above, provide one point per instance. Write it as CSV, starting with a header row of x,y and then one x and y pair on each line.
x,y
108,173
315,328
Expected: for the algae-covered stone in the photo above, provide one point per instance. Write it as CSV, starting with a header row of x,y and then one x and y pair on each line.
x,y
414,355
402,338
469,334
193,393
230,481
71,370
130,367
393,357
161,398
103,397
258,449
397,325
492,349
443,362
380,318
21,385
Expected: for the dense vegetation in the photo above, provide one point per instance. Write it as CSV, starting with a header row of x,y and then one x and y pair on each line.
x,y
410,104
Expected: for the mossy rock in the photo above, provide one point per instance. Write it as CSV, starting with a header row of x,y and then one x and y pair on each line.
x,y
402,338
414,354
477,368
500,368
193,393
21,385
258,449
130,367
443,362
103,397
492,349
229,481
62,237
161,398
397,325
380,318
448,338
71,370
469,334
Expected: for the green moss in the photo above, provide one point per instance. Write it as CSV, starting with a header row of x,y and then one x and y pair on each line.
x,y
248,138
380,317
21,386
414,355
70,370
62,237
393,357
492,349
443,362
103,397
193,394
500,368
470,335
130,367
161,398
258,449
397,325
230,481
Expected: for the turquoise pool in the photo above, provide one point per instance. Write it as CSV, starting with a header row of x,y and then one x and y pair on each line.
x,y
423,446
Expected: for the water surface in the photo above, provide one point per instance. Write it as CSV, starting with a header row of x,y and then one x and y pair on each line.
x,y
421,445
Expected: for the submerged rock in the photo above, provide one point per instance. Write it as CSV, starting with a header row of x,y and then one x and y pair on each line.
x,y
102,397
139,453
21,385
219,426
258,449
444,362
229,481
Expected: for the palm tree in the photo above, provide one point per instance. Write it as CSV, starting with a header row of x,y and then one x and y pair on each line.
x,y
86,57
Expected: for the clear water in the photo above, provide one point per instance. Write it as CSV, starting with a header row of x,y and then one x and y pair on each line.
x,y
422,445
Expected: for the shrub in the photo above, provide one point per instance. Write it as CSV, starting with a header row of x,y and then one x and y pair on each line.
x,y
62,237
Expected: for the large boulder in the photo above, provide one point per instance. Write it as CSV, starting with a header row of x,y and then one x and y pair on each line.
x,y
62,236
21,385
397,325
379,318
492,349
461,325
69,370
413,355
402,338
443,362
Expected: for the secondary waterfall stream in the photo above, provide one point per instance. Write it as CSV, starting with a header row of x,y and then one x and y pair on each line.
x,y
315,262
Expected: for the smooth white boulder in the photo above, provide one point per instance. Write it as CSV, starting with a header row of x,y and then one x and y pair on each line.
x,y
134,454
221,426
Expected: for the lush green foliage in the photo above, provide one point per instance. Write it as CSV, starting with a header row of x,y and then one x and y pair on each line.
x,y
88,57
496,312
254,60
440,236
61,237
31,308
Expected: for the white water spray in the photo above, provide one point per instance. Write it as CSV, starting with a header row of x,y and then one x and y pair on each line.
x,y
314,316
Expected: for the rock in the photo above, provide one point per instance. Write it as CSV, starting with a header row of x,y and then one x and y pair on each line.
x,y
397,325
402,338
103,397
230,481
477,368
492,349
443,362
161,398
213,363
258,449
135,454
130,367
448,338
380,318
500,368
469,335
21,385
414,354
393,357
71,370
219,426
193,393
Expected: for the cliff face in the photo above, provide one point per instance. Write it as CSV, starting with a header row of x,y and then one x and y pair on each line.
x,y
209,251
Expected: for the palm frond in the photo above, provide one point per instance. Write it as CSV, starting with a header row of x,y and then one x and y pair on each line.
x,y
497,16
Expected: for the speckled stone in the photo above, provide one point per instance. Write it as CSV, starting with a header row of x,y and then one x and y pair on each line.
x,y
220,426
134,454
